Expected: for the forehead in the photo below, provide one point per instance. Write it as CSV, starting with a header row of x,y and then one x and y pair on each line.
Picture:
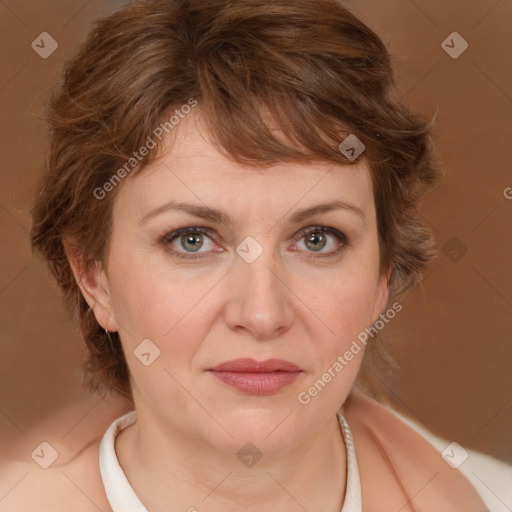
x,y
191,169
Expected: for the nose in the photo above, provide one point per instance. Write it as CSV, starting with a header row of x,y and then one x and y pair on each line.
x,y
260,302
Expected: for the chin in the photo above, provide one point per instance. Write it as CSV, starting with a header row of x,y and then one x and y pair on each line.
x,y
272,429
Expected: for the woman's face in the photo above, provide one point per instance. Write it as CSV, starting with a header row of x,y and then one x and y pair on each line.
x,y
264,282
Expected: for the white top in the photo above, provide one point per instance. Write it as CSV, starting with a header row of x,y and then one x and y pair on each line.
x,y
490,477
122,497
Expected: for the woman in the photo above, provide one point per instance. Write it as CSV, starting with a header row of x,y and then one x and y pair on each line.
x,y
230,203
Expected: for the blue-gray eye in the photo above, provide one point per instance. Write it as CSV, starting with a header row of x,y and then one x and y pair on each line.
x,y
316,241
317,238
192,241
188,242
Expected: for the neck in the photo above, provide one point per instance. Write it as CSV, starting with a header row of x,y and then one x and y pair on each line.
x,y
166,467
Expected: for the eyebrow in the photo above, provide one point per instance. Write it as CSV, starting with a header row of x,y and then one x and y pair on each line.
x,y
222,217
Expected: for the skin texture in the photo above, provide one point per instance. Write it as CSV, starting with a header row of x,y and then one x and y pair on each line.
x,y
290,303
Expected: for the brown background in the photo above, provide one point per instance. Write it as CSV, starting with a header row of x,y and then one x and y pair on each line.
x,y
452,340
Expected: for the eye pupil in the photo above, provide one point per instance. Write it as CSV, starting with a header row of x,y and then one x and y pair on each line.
x,y
315,238
191,239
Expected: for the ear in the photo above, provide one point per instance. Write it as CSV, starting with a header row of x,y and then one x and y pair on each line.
x,y
93,283
382,294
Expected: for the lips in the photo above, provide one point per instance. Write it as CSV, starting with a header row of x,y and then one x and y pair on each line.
x,y
257,377
252,366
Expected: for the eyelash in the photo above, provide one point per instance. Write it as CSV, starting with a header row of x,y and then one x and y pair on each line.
x,y
170,237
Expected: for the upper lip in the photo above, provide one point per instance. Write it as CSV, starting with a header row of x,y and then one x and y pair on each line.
x,y
252,366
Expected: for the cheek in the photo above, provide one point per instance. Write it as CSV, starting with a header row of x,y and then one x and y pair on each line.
x,y
343,308
351,305
346,298
338,339
151,304
341,320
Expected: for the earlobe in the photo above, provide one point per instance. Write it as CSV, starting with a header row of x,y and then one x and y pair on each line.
x,y
93,284
382,294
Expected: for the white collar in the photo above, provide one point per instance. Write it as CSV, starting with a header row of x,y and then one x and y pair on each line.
x,y
122,497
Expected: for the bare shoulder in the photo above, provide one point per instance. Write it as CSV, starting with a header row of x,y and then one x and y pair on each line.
x,y
75,486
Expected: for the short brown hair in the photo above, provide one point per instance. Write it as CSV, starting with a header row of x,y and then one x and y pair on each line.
x,y
318,70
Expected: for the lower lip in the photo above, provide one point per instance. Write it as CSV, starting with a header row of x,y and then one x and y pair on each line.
x,y
257,383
